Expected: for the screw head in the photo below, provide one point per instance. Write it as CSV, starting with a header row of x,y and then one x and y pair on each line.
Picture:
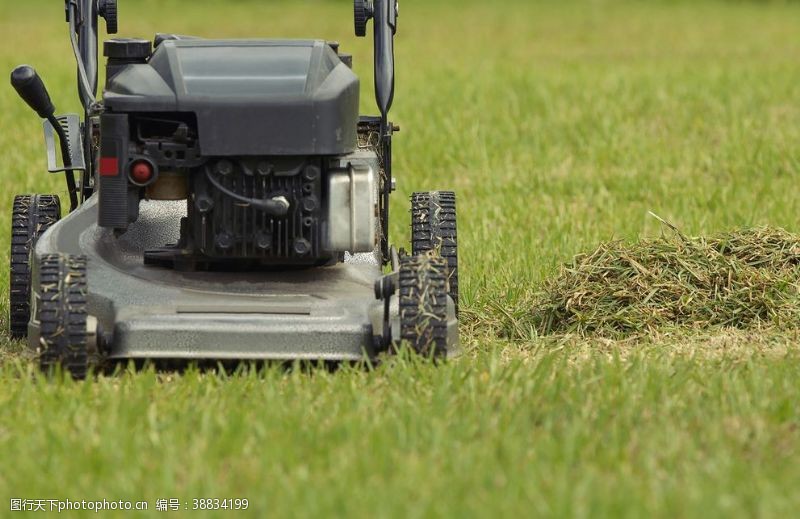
x,y
310,173
264,168
224,167
225,240
263,240
309,204
301,246
204,204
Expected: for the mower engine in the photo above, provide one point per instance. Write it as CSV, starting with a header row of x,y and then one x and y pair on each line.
x,y
259,137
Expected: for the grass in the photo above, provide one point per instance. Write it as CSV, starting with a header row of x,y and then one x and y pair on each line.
x,y
743,279
560,124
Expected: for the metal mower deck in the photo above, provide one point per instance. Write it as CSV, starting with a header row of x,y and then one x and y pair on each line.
x,y
159,313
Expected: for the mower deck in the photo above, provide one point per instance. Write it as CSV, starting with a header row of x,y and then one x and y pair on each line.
x,y
324,313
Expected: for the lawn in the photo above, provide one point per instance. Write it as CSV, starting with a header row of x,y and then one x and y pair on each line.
x,y
560,125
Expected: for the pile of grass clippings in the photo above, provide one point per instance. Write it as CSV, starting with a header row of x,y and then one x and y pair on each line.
x,y
744,279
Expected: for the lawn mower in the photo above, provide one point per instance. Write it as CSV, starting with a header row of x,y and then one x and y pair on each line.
x,y
226,203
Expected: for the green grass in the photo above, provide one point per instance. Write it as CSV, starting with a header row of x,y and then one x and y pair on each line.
x,y
560,124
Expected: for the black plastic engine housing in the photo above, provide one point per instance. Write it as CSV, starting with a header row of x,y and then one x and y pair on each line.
x,y
249,97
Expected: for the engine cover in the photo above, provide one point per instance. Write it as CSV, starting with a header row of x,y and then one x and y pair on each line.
x,y
249,97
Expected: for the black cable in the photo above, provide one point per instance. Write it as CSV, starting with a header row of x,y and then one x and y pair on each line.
x,y
270,206
87,98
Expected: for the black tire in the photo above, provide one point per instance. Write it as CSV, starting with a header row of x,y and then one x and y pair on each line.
x,y
32,215
433,228
423,304
62,314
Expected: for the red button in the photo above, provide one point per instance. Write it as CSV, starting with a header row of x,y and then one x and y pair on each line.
x,y
141,172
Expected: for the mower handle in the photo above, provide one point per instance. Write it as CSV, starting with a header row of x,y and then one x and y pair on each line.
x,y
384,15
385,29
31,89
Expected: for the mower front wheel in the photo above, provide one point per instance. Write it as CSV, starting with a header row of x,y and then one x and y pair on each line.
x,y
423,304
61,309
31,216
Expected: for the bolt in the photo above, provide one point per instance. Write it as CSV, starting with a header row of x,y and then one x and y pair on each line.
x,y
264,168
263,240
224,240
204,204
309,204
224,167
301,246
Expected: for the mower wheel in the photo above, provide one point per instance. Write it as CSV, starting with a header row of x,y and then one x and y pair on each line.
x,y
62,314
423,304
433,228
31,216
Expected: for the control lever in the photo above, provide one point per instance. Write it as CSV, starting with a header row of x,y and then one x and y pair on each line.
x,y
31,89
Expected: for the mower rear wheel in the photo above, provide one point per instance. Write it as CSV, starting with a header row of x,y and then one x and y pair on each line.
x,y
31,216
423,304
433,228
62,314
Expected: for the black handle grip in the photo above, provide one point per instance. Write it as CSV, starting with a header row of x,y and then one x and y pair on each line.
x,y
31,89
